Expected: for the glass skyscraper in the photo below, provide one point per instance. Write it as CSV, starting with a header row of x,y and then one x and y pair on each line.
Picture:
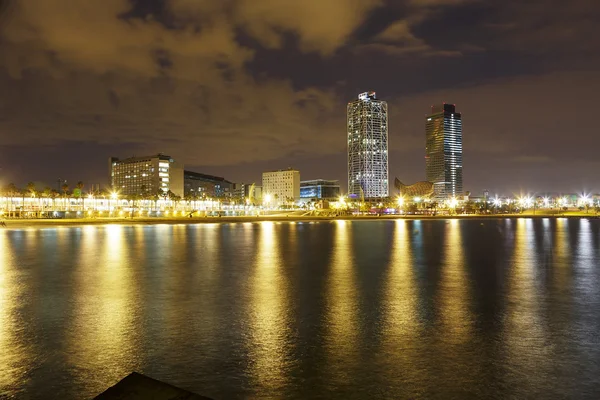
x,y
367,128
443,151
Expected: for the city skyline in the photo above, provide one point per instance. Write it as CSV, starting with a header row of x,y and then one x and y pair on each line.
x,y
263,89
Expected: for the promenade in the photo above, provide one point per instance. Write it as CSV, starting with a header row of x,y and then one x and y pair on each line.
x,y
43,223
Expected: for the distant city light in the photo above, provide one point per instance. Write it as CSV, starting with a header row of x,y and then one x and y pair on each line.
x,y
585,200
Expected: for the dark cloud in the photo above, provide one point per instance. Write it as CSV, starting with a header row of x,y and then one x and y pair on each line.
x,y
243,85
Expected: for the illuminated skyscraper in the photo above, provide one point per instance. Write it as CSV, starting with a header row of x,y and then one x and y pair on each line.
x,y
367,124
443,151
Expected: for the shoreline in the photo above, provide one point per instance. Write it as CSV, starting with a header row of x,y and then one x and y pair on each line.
x,y
41,223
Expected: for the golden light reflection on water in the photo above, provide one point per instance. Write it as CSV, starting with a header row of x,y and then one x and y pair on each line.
x,y
103,329
401,293
557,258
562,248
12,350
209,248
524,328
455,298
269,307
200,280
585,248
402,326
585,263
342,306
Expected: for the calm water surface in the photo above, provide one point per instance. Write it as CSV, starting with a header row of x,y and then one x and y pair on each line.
x,y
375,309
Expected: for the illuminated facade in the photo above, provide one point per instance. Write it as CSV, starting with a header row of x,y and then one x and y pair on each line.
x,y
200,186
367,129
281,186
247,191
146,175
444,151
320,189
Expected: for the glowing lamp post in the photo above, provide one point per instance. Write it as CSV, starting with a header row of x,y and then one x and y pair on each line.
x,y
400,202
452,203
267,200
115,197
342,202
497,203
586,202
90,198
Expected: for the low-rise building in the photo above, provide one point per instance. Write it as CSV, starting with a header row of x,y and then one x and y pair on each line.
x,y
197,185
321,189
148,175
247,192
282,186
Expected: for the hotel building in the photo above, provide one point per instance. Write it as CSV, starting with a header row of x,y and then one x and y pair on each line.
x,y
146,175
281,186
367,134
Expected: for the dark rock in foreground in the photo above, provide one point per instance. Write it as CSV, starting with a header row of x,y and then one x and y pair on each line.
x,y
137,386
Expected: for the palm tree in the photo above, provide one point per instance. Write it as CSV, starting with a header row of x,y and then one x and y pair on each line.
x,y
54,194
65,189
11,190
80,187
46,193
134,199
144,194
31,190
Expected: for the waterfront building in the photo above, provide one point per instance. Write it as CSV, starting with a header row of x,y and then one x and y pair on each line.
x,y
320,189
247,192
281,186
146,175
423,189
197,185
238,190
367,135
253,193
444,151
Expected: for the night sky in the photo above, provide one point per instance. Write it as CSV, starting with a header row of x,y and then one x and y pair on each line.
x,y
236,87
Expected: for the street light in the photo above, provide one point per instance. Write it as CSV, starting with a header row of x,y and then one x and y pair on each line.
x,y
400,201
585,200
267,199
453,202
546,202
114,196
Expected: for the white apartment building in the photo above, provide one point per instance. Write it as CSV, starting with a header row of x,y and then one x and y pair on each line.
x,y
281,186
